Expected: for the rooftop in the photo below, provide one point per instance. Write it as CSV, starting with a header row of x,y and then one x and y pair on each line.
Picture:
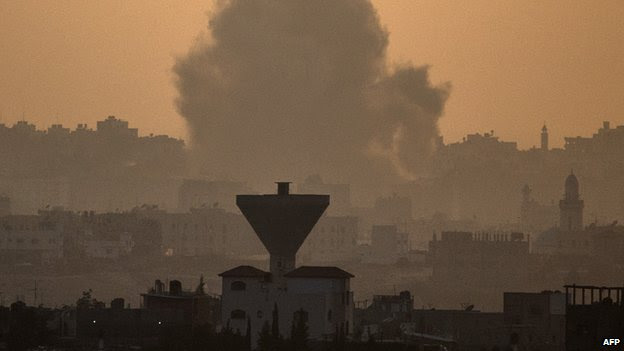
x,y
319,272
245,271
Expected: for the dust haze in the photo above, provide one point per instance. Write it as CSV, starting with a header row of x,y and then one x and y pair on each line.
x,y
380,235
284,89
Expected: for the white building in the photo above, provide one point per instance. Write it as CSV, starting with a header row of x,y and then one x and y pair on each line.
x,y
321,295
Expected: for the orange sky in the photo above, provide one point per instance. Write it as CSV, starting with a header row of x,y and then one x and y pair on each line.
x,y
513,64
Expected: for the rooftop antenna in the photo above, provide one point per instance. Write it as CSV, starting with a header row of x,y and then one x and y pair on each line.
x,y
34,294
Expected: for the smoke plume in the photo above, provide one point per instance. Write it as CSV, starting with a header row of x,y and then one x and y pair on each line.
x,y
283,89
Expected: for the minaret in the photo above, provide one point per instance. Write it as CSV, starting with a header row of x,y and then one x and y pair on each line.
x,y
571,207
544,138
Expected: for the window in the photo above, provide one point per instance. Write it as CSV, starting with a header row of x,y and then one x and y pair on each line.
x,y
259,314
238,314
238,286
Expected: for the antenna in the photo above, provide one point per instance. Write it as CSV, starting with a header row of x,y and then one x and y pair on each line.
x,y
34,294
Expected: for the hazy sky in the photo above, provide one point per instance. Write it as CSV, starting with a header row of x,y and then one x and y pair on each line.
x,y
512,64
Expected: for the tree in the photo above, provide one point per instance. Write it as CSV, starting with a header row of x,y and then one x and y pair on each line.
x,y
265,339
86,301
248,336
275,323
270,338
299,332
371,344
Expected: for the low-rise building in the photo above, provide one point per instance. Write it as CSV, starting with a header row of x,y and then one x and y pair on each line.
x,y
536,320
28,241
593,314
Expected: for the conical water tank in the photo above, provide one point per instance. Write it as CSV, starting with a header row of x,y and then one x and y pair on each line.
x,y
282,221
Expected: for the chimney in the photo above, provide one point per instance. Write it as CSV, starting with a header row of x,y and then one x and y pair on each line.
x,y
283,188
175,288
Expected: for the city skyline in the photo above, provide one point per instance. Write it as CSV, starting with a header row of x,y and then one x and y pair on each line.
x,y
487,52
279,175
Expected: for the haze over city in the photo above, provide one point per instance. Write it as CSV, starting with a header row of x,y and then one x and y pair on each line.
x,y
335,175
75,61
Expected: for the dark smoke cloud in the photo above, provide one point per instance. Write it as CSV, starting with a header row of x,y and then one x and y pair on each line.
x,y
283,89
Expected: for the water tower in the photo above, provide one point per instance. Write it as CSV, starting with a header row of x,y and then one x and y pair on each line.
x,y
282,221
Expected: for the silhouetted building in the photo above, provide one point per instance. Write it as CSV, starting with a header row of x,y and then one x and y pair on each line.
x,y
479,267
382,307
571,206
105,169
204,231
387,245
544,140
570,238
197,307
479,177
593,314
536,321
28,239
319,295
109,248
536,217
333,239
469,328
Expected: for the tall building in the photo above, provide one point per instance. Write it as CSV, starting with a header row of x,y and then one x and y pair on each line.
x,y
544,145
252,298
571,206
477,267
